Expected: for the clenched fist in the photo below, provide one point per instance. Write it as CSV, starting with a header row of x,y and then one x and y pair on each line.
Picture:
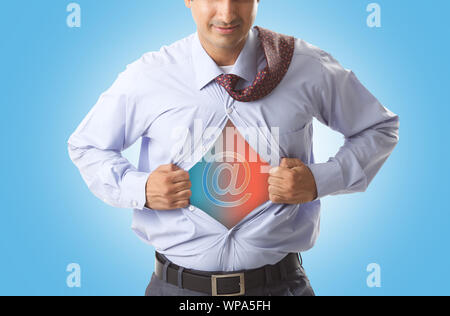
x,y
292,183
168,188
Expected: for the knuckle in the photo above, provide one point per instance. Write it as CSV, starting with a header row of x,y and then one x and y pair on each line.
x,y
173,204
172,167
290,176
167,180
183,203
165,190
274,198
182,173
170,200
183,195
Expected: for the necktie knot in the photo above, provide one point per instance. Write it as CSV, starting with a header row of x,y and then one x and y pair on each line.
x,y
228,81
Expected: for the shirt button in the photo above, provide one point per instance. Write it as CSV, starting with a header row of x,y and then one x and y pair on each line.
x,y
191,208
230,110
134,203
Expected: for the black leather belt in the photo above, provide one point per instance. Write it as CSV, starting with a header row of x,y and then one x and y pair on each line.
x,y
224,283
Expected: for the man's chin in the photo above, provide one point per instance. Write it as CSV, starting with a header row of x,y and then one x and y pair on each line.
x,y
226,41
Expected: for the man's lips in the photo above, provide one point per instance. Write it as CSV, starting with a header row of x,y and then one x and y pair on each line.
x,y
226,30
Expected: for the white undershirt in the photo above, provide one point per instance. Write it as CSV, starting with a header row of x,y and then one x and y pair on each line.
x,y
226,69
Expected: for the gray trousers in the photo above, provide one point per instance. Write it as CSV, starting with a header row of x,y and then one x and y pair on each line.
x,y
296,283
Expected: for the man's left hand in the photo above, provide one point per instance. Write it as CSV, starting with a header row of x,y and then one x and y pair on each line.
x,y
292,183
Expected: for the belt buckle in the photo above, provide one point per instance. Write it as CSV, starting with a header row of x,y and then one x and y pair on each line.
x,y
223,276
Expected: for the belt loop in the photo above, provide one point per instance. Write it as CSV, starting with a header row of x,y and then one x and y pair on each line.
x,y
166,264
180,277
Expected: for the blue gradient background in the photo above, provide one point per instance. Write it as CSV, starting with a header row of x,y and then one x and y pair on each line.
x,y
53,75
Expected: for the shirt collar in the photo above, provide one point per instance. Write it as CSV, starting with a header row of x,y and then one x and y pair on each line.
x,y
206,69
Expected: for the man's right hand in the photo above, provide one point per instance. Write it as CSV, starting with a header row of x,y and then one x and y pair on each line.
x,y
168,188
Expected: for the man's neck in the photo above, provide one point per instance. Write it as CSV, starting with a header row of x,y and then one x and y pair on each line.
x,y
223,56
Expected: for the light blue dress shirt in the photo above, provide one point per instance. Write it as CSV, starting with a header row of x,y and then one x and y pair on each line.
x,y
175,87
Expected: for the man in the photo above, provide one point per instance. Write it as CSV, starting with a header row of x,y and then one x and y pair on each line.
x,y
230,75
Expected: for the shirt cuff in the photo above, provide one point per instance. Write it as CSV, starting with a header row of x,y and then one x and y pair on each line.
x,y
328,177
133,193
